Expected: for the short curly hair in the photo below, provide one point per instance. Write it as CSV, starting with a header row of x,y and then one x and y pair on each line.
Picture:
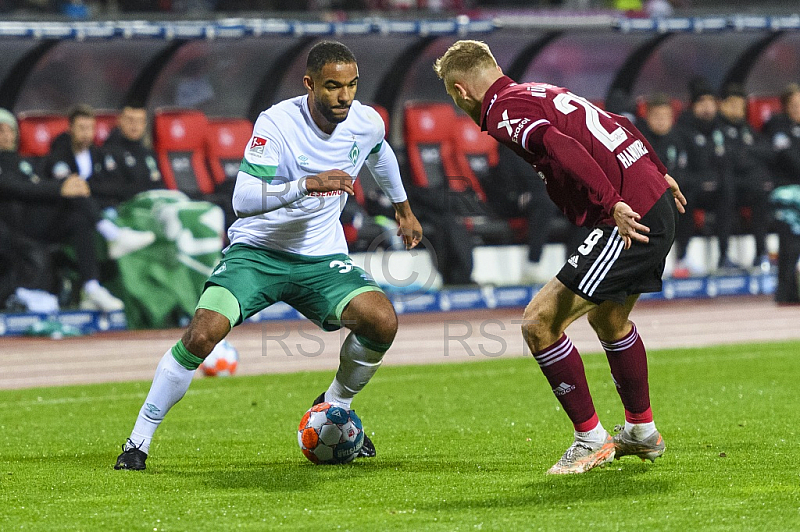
x,y
327,52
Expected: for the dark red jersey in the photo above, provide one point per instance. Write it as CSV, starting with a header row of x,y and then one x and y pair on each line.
x,y
589,159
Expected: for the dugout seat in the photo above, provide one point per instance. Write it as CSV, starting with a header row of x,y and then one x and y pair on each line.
x,y
226,140
105,122
761,109
37,131
438,144
180,146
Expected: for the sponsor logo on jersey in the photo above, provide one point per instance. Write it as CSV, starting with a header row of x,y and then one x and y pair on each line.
x,y
518,129
221,269
325,194
302,160
257,146
507,123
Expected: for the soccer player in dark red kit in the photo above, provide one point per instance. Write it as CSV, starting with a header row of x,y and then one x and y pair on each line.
x,y
602,173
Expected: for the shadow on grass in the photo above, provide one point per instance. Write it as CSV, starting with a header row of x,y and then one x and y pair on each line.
x,y
629,483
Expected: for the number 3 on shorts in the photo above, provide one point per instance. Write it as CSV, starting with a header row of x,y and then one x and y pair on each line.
x,y
344,267
590,242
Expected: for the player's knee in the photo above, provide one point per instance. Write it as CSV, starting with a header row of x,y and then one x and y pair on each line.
x,y
606,328
199,342
381,327
532,324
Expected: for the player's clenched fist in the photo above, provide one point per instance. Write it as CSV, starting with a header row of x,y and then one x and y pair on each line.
x,y
329,181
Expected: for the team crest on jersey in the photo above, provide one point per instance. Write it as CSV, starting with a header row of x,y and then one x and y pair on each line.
x,y
353,155
257,146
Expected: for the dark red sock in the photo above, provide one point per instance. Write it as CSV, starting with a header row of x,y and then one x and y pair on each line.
x,y
563,368
628,361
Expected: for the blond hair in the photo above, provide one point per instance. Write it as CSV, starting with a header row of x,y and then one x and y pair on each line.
x,y
462,58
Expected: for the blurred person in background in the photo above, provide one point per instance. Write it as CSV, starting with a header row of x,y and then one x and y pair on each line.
x,y
658,128
750,156
53,211
135,162
783,130
708,179
73,154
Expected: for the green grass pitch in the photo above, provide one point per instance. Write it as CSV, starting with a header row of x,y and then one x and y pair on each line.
x,y
460,447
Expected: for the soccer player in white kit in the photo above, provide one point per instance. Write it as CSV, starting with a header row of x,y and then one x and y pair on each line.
x,y
288,244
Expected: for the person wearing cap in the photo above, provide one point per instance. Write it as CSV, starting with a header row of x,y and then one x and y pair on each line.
x,y
750,156
708,180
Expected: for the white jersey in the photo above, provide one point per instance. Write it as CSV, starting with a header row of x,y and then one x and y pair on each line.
x,y
287,145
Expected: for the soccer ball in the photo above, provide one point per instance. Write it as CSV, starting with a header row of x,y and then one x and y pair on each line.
x,y
222,360
330,434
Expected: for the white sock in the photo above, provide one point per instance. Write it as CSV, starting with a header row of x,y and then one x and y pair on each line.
x,y
169,386
357,365
338,395
594,436
92,285
640,431
108,229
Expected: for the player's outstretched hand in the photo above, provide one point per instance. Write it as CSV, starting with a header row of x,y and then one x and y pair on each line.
x,y
330,181
680,200
410,229
628,223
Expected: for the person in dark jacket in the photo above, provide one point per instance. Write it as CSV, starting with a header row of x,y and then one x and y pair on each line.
x,y
750,155
783,130
707,183
134,161
658,128
51,211
73,153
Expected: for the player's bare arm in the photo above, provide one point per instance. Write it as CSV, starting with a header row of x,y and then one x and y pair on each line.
x,y
330,181
680,200
628,223
410,228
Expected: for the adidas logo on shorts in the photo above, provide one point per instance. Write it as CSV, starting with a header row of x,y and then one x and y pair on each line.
x,y
573,261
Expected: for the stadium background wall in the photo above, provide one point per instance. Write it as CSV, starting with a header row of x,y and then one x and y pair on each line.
x,y
238,69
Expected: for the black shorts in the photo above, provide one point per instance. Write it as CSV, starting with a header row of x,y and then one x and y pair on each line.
x,y
602,270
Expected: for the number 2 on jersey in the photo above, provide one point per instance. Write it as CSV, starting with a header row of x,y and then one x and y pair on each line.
x,y
610,139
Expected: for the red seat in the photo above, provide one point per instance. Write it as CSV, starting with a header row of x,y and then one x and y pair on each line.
x,y
438,144
105,122
476,153
226,140
37,131
430,142
759,110
180,146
